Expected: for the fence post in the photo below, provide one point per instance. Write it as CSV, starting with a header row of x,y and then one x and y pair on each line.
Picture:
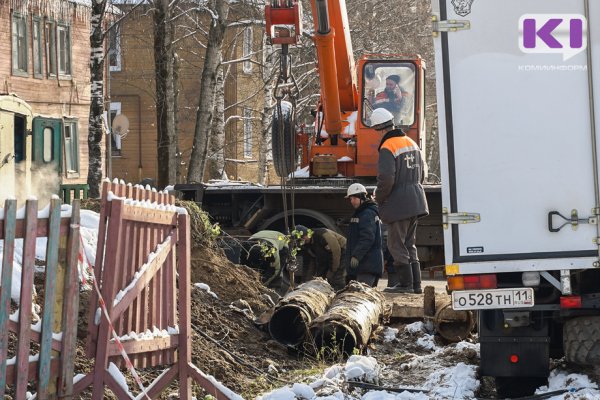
x,y
24,334
70,307
10,210
185,299
50,286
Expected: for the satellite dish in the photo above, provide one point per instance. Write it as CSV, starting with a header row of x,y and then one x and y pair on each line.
x,y
120,126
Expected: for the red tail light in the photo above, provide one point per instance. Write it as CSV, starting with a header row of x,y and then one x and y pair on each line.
x,y
466,282
570,302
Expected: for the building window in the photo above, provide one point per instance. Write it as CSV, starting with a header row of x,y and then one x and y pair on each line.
x,y
71,142
48,142
51,48
36,32
247,48
247,133
64,49
19,45
115,140
114,48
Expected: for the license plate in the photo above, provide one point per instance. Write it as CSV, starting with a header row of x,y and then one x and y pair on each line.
x,y
496,298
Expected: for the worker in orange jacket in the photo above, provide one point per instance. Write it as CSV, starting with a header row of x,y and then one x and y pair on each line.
x,y
401,200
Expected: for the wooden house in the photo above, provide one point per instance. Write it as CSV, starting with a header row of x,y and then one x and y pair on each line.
x,y
44,95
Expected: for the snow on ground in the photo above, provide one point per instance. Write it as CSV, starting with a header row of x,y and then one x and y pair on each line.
x,y
439,371
457,382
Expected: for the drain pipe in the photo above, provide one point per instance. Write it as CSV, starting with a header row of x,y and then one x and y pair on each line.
x,y
349,321
294,312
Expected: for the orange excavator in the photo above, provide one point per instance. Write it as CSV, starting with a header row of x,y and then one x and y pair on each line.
x,y
343,144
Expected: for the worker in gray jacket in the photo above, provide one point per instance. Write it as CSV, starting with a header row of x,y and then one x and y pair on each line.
x,y
323,253
401,200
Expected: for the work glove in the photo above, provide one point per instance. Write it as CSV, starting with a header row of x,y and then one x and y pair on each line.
x,y
353,263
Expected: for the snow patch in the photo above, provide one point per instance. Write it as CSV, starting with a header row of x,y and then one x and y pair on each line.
x,y
427,342
300,173
119,378
362,368
458,382
415,327
389,334
204,286
580,386
351,128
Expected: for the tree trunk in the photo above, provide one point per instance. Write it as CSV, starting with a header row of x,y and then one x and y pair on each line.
x,y
216,159
265,132
208,81
94,177
176,65
165,95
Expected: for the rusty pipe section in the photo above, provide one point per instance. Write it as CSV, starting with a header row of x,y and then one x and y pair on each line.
x,y
453,325
349,321
296,310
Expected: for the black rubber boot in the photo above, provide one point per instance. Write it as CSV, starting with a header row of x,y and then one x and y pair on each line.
x,y
416,276
393,278
405,284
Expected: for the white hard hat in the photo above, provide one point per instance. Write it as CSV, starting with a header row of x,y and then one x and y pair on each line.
x,y
381,119
354,189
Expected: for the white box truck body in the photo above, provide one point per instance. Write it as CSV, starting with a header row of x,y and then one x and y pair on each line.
x,y
519,118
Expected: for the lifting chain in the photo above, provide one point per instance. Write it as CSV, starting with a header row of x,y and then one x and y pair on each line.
x,y
286,88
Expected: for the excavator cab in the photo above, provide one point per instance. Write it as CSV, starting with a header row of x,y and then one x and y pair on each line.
x,y
389,85
398,85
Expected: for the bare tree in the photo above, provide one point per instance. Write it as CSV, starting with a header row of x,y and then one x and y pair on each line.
x,y
216,160
97,35
164,60
204,115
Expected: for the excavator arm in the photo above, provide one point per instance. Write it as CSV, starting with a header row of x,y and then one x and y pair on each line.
x,y
337,71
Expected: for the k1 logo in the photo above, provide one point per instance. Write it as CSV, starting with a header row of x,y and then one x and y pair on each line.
x,y
565,34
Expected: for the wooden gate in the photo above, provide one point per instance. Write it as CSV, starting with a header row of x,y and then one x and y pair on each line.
x,y
60,303
143,242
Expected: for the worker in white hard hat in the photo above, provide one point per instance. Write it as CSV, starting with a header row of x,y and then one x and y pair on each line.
x,y
364,256
401,199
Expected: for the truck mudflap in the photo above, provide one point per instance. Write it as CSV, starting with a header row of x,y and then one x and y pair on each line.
x,y
514,351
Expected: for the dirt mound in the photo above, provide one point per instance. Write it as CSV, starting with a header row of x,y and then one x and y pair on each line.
x,y
229,281
230,347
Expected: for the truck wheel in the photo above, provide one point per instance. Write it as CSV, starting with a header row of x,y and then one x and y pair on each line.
x,y
518,386
581,340
283,143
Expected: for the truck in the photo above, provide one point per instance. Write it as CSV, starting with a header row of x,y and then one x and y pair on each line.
x,y
341,149
516,86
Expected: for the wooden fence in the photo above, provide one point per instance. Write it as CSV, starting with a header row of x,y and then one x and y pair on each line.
x,y
53,365
143,242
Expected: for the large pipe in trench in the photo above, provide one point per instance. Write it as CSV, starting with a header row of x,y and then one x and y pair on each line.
x,y
348,322
295,311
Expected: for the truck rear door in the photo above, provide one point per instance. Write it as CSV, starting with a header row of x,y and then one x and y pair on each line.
x,y
517,132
